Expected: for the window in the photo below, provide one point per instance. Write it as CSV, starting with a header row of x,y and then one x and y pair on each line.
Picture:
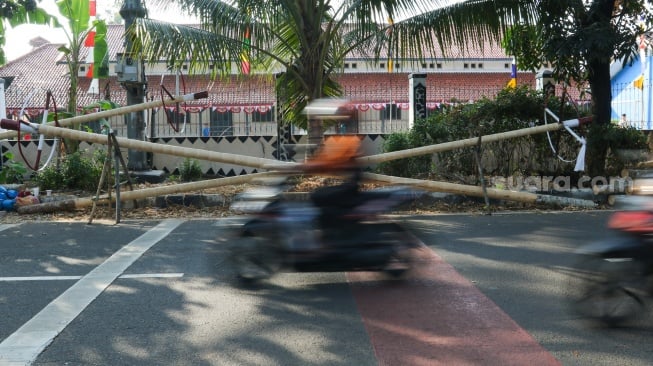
x,y
466,66
390,112
480,66
439,65
221,123
423,66
263,116
382,65
346,65
354,65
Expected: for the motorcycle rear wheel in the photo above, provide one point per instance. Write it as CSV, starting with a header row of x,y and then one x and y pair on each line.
x,y
611,292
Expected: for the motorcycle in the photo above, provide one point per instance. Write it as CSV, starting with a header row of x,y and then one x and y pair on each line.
x,y
617,273
338,229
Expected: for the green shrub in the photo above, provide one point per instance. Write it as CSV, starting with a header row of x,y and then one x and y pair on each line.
x,y
12,171
190,170
50,178
76,171
626,147
512,109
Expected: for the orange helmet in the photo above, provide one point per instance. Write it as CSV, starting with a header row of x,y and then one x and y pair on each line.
x,y
337,152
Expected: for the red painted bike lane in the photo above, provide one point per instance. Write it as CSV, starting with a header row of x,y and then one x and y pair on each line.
x,y
437,317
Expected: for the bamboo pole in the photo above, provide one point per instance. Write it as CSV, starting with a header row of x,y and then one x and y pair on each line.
x,y
117,111
476,191
451,145
160,148
79,203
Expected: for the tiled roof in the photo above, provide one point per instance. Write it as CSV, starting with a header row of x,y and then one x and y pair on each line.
x,y
34,73
487,51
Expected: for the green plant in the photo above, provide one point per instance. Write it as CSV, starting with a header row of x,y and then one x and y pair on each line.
x,y
50,178
76,171
12,171
626,146
190,170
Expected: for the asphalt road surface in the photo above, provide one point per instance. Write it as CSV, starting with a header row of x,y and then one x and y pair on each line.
x,y
488,290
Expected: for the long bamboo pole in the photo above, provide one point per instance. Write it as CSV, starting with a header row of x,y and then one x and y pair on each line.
x,y
117,111
159,148
79,203
470,142
476,191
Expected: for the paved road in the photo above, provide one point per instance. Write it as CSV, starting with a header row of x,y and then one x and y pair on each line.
x,y
524,264
152,293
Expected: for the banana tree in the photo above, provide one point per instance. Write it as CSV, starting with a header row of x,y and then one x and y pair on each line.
x,y
78,15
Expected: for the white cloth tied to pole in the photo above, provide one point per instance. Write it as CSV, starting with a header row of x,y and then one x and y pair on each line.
x,y
580,160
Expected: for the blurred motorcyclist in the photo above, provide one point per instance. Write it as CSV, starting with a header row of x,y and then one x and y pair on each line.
x,y
336,156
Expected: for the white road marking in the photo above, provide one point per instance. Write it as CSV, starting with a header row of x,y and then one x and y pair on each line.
x,y
4,227
23,346
65,278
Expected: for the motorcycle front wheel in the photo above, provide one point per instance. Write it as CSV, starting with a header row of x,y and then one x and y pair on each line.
x,y
254,259
610,291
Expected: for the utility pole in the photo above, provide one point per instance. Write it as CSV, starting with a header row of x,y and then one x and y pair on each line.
x,y
131,74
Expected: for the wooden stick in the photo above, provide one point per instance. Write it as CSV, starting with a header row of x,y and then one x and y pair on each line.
x,y
106,169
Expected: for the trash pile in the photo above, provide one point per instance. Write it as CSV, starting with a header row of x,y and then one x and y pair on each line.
x,y
11,198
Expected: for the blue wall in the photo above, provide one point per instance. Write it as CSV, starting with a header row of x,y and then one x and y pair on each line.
x,y
626,98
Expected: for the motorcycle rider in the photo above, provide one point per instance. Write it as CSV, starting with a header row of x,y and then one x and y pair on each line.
x,y
336,156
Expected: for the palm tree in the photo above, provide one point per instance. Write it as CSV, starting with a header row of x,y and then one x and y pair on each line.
x,y
309,39
16,12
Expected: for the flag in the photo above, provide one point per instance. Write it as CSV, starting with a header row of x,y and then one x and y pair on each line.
x,y
390,56
639,82
89,42
513,75
97,57
244,56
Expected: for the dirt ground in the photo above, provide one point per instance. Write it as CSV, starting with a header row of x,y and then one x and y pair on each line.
x,y
105,213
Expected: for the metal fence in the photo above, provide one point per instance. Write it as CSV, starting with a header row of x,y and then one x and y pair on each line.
x,y
629,106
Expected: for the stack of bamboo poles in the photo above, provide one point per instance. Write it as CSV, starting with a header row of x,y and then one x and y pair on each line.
x,y
273,165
